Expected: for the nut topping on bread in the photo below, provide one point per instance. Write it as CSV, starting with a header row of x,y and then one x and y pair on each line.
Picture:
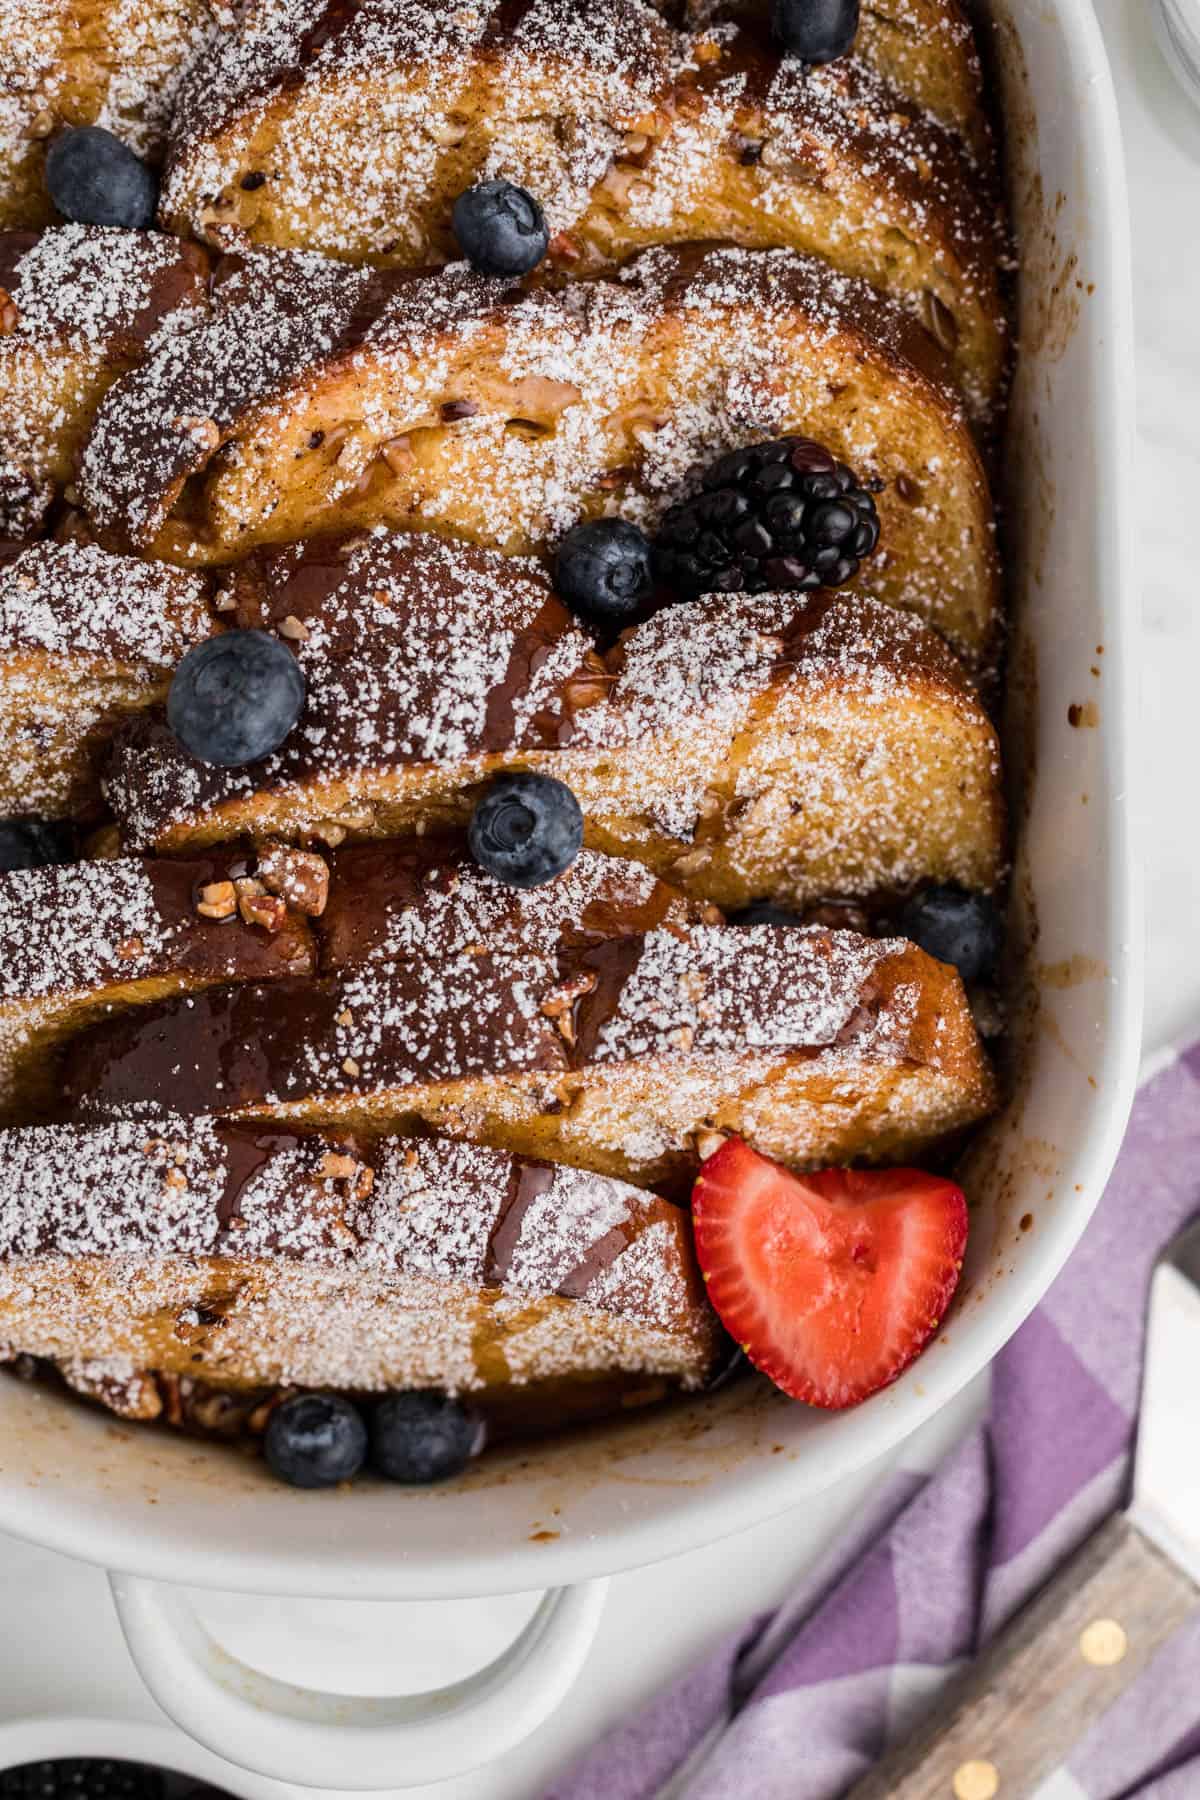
x,y
797,746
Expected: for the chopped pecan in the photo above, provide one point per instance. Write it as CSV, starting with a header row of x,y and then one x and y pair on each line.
x,y
559,1003
218,900
301,877
257,907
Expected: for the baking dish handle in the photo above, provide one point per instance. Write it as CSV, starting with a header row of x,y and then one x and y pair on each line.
x,y
318,1739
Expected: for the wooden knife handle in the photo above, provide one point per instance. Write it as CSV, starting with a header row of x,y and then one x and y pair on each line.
x,y
1035,1691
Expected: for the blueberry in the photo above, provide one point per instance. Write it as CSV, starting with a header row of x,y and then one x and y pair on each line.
x,y
815,31
32,843
765,912
315,1441
95,179
956,927
526,829
235,697
422,1437
604,571
501,230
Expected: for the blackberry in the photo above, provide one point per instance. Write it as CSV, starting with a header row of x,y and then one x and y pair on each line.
x,y
783,514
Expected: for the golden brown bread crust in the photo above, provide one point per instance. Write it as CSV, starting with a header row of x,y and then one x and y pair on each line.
x,y
81,942
86,640
316,397
65,63
787,746
629,134
817,1046
80,304
194,1248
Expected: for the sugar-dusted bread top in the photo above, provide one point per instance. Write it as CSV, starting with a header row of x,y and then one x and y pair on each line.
x,y
627,132
86,639
78,304
83,604
426,898
93,927
922,48
93,290
671,997
417,1230
350,397
65,63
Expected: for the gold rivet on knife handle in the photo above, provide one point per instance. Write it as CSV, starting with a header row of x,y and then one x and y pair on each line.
x,y
976,1781
1103,1643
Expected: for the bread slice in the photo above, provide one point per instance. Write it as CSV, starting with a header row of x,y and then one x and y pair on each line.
x,y
248,1261
78,306
79,943
86,640
816,1046
87,62
924,49
628,133
788,746
317,397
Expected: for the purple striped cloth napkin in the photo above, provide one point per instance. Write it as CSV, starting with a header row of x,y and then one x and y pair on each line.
x,y
946,1559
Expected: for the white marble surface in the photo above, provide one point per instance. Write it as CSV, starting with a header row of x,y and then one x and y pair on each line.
x,y
67,1654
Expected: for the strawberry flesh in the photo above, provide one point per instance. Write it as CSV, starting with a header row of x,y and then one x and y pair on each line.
x,y
831,1282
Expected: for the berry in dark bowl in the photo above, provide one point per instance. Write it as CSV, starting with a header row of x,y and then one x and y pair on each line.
x,y
83,1778
604,572
95,179
34,843
779,515
956,927
315,1441
421,1437
501,229
235,697
815,31
526,829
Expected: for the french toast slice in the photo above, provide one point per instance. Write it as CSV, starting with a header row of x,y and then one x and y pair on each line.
x,y
627,132
65,63
924,49
86,640
136,1255
816,1046
83,941
78,306
790,746
318,397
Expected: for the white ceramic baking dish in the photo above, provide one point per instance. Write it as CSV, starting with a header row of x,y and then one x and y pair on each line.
x,y
159,1511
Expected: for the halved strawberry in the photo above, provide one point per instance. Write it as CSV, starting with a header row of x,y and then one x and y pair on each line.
x,y
832,1283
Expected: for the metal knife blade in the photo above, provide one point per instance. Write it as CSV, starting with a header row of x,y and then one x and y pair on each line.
x,y
1166,1473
